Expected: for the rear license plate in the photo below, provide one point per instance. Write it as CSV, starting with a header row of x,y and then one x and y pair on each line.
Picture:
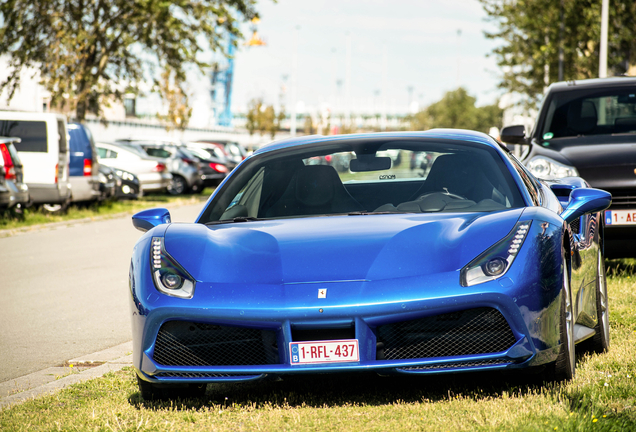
x,y
332,351
620,217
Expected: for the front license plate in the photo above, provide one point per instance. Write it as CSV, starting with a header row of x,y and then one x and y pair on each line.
x,y
332,351
620,217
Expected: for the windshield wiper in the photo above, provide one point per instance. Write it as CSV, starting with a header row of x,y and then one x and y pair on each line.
x,y
235,219
363,213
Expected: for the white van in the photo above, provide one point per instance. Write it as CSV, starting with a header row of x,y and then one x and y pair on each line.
x,y
44,153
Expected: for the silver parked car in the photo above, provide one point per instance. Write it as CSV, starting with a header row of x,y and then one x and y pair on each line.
x,y
187,172
153,172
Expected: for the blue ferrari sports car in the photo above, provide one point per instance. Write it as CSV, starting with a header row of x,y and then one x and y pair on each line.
x,y
466,263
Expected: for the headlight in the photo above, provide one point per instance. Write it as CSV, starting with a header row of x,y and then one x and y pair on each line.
x,y
544,167
496,261
169,277
125,175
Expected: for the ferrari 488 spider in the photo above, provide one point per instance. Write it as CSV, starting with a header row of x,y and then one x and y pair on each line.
x,y
468,263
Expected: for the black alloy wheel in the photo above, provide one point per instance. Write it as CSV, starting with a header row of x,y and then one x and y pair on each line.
x,y
600,342
564,366
177,185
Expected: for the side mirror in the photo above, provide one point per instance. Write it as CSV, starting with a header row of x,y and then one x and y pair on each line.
x,y
583,201
148,219
513,134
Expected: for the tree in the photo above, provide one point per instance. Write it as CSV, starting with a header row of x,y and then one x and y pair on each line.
x,y
308,126
544,41
263,118
270,121
457,110
253,115
172,92
96,51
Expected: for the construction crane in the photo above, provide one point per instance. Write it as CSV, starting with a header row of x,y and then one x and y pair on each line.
x,y
221,80
222,75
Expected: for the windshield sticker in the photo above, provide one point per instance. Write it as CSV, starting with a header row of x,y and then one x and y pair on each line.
x,y
387,177
548,135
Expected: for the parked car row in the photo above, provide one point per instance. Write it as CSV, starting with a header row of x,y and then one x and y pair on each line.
x,y
13,191
50,163
193,165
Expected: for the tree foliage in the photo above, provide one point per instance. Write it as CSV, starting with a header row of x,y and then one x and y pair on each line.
x,y
172,91
534,34
263,118
457,110
95,51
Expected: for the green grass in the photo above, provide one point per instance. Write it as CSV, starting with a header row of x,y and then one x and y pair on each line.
x,y
602,397
34,216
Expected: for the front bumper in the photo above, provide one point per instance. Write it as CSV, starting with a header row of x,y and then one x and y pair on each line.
x,y
171,356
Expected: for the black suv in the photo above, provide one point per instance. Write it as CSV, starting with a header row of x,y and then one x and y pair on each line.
x,y
587,128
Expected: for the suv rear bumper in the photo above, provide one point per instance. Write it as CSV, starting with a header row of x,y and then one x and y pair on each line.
x,y
49,194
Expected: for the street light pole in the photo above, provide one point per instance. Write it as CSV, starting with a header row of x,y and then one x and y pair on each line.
x,y
292,127
602,65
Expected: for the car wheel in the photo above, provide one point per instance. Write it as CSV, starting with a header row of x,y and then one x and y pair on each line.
x,y
150,391
177,185
600,342
564,367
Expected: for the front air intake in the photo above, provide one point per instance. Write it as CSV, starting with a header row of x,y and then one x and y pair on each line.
x,y
181,343
472,331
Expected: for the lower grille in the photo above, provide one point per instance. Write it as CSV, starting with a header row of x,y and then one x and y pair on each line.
x,y
491,362
622,199
202,375
575,226
473,331
181,343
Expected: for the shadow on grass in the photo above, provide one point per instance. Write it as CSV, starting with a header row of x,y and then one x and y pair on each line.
x,y
366,389
620,267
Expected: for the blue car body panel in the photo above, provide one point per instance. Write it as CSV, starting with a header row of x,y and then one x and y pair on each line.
x,y
376,270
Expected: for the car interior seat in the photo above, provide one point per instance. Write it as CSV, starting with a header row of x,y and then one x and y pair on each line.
x,y
459,174
314,189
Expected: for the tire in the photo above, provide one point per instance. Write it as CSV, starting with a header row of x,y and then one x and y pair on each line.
x,y
600,342
177,185
564,366
150,391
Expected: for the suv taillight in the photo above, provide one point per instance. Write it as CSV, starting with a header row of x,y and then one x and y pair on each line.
x,y
88,167
159,167
8,163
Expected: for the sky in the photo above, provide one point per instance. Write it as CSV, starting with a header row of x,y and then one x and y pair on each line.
x,y
404,53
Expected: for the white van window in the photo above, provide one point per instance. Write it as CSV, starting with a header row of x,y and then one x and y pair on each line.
x,y
32,133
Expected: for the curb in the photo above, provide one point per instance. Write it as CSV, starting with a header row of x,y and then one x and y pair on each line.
x,y
51,380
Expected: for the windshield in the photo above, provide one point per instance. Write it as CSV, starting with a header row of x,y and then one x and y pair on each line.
x,y
361,177
590,112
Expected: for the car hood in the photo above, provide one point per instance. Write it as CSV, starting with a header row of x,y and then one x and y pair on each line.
x,y
603,161
335,248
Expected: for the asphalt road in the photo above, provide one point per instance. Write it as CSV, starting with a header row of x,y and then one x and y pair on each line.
x,y
64,292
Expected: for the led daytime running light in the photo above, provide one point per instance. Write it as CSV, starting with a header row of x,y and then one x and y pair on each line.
x,y
168,275
495,261
517,241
